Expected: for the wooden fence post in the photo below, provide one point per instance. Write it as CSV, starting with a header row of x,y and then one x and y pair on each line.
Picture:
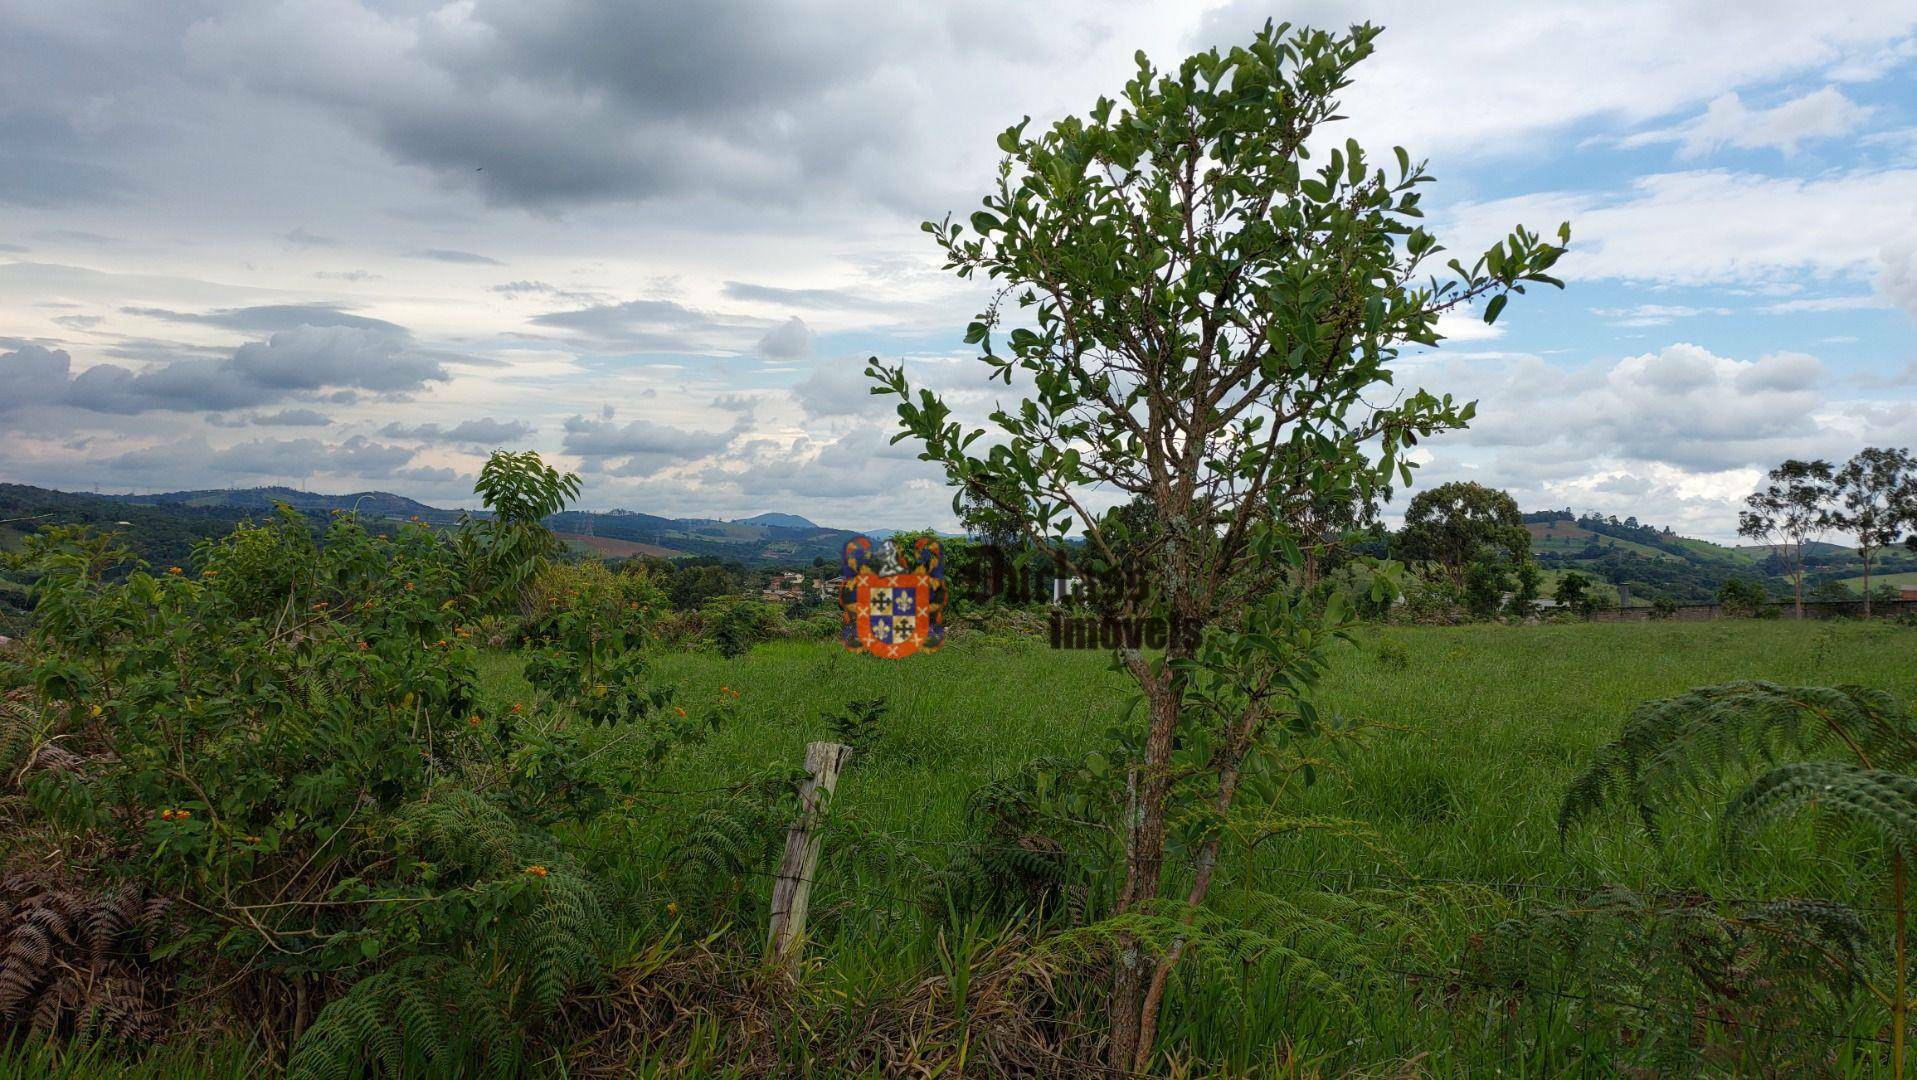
x,y
792,892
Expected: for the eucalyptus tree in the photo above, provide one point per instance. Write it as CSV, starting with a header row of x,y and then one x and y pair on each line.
x,y
1204,290
1878,489
1790,513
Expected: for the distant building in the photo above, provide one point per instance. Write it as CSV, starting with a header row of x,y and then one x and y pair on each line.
x,y
1907,592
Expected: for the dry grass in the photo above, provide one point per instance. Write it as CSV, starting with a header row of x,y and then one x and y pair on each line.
x,y
997,1007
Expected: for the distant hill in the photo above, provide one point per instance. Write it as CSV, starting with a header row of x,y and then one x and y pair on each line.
x,y
162,535
777,520
769,538
372,503
1645,561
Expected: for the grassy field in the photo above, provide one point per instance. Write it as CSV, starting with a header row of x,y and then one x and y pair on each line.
x,y
1475,732
1904,577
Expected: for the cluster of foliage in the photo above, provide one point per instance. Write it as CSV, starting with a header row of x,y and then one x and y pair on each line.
x,y
1678,747
1873,497
288,746
1476,538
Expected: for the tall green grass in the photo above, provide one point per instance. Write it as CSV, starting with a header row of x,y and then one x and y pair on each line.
x,y
1474,732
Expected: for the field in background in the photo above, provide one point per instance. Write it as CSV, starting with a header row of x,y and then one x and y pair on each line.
x,y
1475,731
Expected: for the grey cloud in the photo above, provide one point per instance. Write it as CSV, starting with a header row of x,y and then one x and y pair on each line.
x,y
292,362
657,326
447,255
300,238
293,418
838,387
311,357
831,299
513,290
549,104
485,431
647,446
266,318
789,340
169,462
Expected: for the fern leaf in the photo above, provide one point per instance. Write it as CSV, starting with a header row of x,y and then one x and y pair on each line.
x,y
1883,801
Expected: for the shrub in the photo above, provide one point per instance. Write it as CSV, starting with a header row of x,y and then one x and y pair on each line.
x,y
734,624
1743,598
288,745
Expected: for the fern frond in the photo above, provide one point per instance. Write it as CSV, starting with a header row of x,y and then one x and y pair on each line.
x,y
1885,802
1673,743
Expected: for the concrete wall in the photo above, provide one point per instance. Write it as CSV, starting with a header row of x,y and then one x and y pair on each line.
x,y
1812,610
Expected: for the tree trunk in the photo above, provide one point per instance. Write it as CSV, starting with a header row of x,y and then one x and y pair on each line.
x,y
1144,833
1865,552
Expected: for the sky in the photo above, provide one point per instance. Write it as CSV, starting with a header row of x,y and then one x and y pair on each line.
x,y
346,245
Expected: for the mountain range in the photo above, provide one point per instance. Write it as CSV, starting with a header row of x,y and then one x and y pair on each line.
x,y
164,525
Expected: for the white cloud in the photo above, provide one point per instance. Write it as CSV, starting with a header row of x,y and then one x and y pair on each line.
x,y
1727,121
1715,227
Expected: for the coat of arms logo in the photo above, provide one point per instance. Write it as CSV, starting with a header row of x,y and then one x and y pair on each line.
x,y
892,601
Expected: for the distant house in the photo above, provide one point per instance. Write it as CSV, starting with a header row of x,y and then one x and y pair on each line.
x,y
1907,592
786,586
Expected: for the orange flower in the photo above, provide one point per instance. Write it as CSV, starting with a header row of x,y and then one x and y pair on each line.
x,y
536,870
362,644
415,517
516,706
672,907
681,712
182,814
209,573
473,720
174,570
166,815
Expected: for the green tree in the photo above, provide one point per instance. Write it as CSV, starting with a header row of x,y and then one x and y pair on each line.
x,y
1878,489
1574,592
505,551
1460,523
1529,583
690,587
1790,513
1201,315
1742,596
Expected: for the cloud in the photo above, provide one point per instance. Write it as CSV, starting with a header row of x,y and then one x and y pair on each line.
x,y
789,340
1655,314
293,418
838,387
811,299
308,359
483,431
1681,406
170,462
447,255
648,446
1713,227
265,318
311,357
1823,114
662,326
302,240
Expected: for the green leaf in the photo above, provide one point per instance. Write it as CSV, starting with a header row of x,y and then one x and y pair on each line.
x,y
1496,305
